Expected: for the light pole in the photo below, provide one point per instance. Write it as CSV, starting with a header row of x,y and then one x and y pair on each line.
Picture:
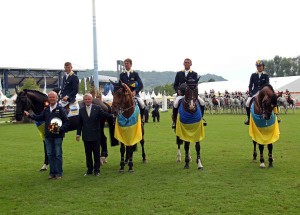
x,y
96,81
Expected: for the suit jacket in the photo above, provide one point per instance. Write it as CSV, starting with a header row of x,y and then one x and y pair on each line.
x,y
256,83
89,126
180,78
48,115
133,77
70,87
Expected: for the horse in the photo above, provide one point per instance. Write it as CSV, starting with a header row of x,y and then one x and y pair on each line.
x,y
291,103
36,101
263,127
190,117
129,129
282,102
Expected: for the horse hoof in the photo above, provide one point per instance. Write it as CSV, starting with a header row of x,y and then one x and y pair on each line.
x,y
131,171
186,167
121,171
270,165
200,168
262,165
144,161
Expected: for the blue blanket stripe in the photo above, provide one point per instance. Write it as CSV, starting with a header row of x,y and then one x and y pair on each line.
x,y
260,121
188,118
132,120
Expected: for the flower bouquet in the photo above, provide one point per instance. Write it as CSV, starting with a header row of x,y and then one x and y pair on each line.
x,y
55,125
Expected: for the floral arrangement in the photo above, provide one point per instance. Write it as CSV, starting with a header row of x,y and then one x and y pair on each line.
x,y
54,128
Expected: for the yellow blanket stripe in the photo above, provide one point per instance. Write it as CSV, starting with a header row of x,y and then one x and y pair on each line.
x,y
41,130
129,135
190,132
264,135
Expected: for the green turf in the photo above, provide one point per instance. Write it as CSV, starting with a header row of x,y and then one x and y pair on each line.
x,y
229,184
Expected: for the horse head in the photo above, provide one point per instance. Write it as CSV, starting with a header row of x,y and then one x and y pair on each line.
x,y
267,100
30,100
22,104
123,102
191,95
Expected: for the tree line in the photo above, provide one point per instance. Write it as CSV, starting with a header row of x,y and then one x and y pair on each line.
x,y
283,66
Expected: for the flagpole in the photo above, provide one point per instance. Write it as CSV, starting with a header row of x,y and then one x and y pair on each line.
x,y
96,81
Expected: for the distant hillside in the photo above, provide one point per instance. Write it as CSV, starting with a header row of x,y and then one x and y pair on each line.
x,y
153,79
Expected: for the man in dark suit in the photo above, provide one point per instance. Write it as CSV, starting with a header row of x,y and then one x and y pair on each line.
x,y
179,87
70,85
257,81
90,117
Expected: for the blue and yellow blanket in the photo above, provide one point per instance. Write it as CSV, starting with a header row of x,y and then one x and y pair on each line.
x,y
41,128
263,131
189,127
129,130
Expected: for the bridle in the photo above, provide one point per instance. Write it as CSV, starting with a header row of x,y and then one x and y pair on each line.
x,y
28,104
120,107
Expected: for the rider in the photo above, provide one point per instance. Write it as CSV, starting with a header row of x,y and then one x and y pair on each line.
x,y
257,81
287,95
179,87
70,86
132,79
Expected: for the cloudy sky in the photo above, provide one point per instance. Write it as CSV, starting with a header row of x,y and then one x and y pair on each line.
x,y
222,37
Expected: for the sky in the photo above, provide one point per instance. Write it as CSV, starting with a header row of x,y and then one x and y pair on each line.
x,y
222,37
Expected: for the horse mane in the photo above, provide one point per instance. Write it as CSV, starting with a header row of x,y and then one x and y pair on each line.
x,y
35,91
270,86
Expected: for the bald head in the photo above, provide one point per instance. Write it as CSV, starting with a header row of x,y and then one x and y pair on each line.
x,y
52,98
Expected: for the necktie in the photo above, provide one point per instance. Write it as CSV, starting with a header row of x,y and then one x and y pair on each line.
x,y
88,110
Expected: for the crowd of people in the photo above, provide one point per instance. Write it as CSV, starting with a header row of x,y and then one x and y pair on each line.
x,y
90,115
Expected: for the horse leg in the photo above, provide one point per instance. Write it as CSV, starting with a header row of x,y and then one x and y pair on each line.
x,y
46,162
142,142
129,150
187,159
198,160
262,160
122,163
254,151
103,145
270,148
179,142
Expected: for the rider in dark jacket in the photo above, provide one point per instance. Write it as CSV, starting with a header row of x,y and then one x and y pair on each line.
x,y
257,81
70,85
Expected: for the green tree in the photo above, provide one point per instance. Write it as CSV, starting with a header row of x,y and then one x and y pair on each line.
x,y
30,84
211,80
82,87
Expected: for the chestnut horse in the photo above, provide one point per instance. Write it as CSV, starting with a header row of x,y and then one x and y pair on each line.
x,y
129,128
263,127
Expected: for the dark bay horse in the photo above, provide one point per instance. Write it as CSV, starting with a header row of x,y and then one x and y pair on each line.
x,y
129,128
189,125
36,101
263,127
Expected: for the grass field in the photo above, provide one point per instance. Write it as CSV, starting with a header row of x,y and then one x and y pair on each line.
x,y
229,184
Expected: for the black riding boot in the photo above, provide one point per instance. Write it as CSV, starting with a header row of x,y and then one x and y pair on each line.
x,y
248,116
174,117
202,107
